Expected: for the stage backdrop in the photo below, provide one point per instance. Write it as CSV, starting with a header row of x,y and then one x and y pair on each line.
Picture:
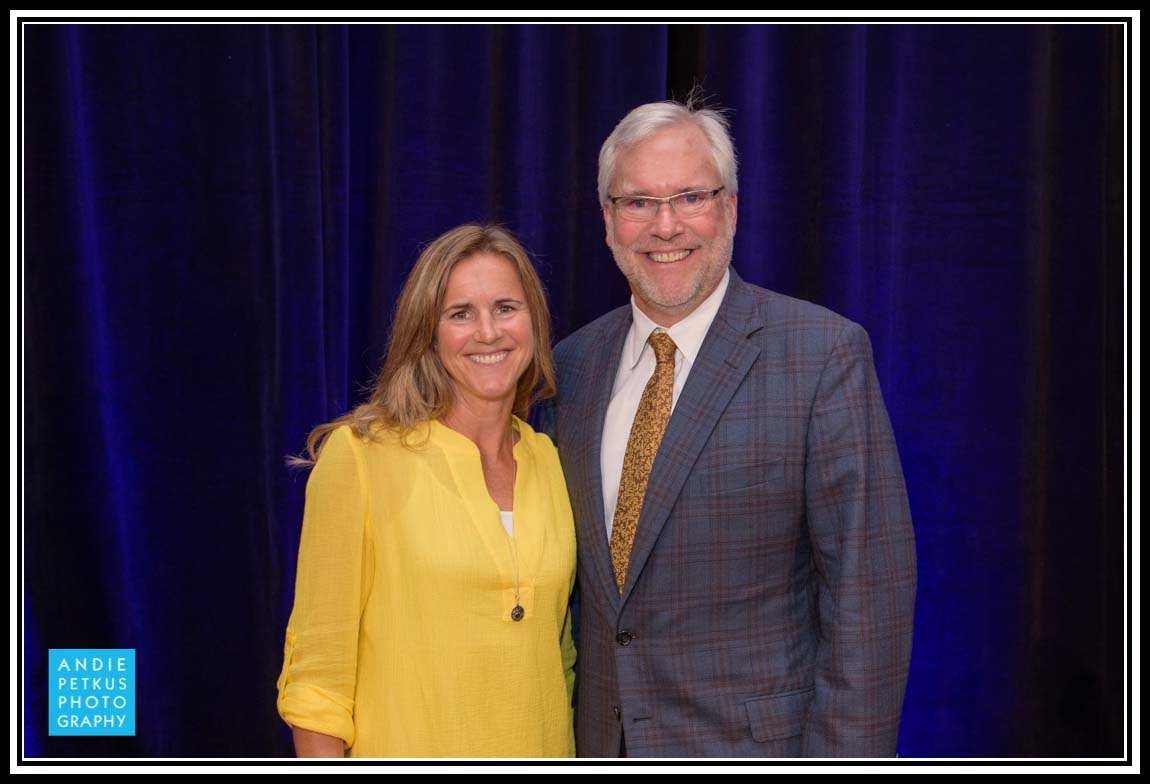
x,y
217,220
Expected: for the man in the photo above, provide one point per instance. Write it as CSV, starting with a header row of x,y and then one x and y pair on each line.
x,y
746,558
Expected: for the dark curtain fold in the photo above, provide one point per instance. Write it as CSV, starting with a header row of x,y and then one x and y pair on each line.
x,y
218,220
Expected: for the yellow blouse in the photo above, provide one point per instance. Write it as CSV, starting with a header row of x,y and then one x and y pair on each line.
x,y
401,640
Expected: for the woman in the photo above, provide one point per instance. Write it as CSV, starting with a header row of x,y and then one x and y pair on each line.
x,y
438,549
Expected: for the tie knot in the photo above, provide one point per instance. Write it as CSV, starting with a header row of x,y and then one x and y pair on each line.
x,y
664,348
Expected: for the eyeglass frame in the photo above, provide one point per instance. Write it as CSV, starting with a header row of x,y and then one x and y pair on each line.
x,y
661,200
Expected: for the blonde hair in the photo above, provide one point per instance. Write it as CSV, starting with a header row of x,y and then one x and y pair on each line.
x,y
413,386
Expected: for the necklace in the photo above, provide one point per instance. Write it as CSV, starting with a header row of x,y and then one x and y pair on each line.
x,y
517,610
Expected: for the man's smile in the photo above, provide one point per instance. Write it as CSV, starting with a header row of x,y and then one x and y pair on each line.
x,y
665,257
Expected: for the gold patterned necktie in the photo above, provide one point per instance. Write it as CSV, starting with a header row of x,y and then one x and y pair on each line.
x,y
646,433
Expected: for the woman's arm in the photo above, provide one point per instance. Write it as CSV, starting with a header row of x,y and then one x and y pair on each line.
x,y
316,744
317,685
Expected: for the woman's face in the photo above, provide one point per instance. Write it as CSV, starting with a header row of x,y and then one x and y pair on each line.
x,y
484,337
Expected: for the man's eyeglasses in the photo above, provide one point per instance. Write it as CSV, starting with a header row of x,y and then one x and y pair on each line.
x,y
644,208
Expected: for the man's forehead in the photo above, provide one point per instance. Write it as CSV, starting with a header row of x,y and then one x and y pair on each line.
x,y
666,183
672,160
659,190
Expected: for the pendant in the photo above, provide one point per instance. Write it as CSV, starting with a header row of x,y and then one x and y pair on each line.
x,y
517,613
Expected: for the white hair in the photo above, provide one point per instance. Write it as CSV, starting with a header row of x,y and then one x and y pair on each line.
x,y
644,121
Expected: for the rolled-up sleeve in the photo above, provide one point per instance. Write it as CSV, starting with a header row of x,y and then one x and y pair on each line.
x,y
333,579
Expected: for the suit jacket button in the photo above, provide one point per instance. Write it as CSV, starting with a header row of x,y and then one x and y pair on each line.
x,y
624,638
618,713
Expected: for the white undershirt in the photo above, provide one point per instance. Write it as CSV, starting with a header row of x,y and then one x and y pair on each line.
x,y
505,518
636,366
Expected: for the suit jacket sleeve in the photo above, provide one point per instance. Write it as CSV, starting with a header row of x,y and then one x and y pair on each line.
x,y
863,545
544,416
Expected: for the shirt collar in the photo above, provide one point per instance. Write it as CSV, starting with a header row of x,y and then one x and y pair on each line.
x,y
687,333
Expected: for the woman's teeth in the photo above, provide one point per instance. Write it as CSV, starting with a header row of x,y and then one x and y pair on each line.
x,y
489,359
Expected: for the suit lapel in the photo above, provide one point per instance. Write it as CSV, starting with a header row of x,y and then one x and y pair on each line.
x,y
596,380
723,361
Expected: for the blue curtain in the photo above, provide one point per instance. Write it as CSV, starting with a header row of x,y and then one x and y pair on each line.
x,y
217,221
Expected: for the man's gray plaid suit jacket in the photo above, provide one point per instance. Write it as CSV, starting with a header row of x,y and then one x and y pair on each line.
x,y
769,603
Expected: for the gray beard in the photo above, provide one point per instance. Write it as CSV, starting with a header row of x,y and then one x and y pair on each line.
x,y
642,284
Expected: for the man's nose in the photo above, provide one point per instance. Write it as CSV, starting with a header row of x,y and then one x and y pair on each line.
x,y
666,223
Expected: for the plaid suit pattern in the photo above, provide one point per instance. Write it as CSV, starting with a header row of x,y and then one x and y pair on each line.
x,y
769,602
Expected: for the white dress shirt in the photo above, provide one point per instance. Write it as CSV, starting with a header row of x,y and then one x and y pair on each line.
x,y
636,366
